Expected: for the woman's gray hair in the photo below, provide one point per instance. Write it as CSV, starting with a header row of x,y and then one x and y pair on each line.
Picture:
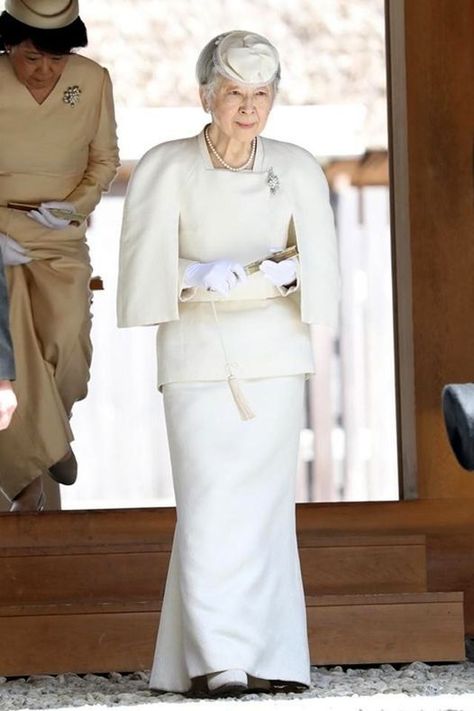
x,y
207,67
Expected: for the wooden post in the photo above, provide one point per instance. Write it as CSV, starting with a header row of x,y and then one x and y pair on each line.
x,y
435,281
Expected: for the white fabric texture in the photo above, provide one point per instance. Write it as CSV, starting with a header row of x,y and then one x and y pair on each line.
x,y
257,324
234,596
149,270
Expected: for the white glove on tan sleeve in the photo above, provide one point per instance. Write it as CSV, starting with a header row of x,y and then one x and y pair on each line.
x,y
8,403
220,276
279,273
12,252
44,217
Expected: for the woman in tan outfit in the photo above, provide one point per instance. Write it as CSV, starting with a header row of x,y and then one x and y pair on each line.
x,y
56,111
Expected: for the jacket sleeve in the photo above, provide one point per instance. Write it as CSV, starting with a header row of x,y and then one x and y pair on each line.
x,y
317,242
148,278
7,364
103,155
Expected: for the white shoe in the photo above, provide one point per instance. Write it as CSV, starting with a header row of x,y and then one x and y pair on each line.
x,y
227,683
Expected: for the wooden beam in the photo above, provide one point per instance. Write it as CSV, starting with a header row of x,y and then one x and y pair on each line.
x,y
401,247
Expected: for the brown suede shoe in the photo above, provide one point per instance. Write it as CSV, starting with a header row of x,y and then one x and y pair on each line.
x,y
65,471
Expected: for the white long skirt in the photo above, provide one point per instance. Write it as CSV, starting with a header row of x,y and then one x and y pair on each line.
x,y
234,596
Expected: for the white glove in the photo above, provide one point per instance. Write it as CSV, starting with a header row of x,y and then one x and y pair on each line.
x,y
12,252
45,218
220,276
8,403
279,273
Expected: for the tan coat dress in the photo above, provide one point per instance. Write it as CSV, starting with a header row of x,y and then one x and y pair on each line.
x,y
50,151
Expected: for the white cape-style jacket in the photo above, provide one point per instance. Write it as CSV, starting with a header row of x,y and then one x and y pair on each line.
x,y
149,280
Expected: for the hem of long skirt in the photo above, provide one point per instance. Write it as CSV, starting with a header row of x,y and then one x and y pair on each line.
x,y
277,681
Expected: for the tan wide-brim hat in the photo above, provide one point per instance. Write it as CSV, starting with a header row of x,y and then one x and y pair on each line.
x,y
44,14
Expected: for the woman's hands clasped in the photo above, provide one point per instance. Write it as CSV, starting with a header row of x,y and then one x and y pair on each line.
x,y
44,216
220,276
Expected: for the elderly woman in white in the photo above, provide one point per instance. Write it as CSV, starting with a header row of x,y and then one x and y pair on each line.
x,y
198,211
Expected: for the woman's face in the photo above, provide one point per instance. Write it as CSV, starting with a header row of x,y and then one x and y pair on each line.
x,y
36,70
240,111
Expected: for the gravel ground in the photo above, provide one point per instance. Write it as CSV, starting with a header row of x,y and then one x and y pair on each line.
x,y
399,688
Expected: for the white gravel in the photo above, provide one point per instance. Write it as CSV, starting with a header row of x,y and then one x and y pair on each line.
x,y
414,687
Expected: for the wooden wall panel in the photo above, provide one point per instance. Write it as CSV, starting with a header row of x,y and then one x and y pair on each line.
x,y
98,575
386,628
55,643
447,523
363,564
90,601
440,120
394,628
101,574
139,537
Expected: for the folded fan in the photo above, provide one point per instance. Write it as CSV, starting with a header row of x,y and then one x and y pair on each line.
x,y
274,257
75,217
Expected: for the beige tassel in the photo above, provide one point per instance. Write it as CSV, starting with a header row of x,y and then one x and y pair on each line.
x,y
245,411
243,407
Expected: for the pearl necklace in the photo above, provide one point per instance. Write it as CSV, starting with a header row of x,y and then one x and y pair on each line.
x,y
222,161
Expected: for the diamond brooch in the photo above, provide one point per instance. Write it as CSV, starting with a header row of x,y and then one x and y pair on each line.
x,y
72,95
273,181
